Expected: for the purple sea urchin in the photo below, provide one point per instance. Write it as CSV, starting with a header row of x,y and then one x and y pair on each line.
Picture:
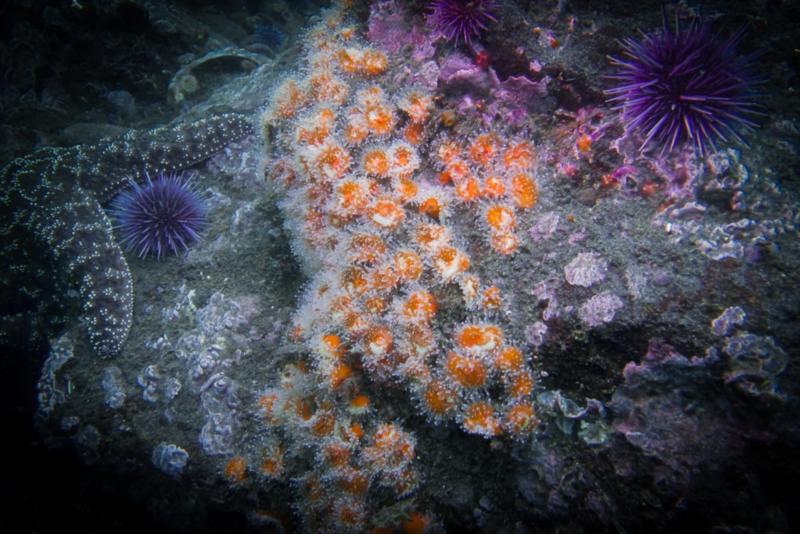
x,y
161,216
685,85
460,20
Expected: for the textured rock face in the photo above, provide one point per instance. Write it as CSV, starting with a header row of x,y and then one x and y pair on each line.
x,y
505,324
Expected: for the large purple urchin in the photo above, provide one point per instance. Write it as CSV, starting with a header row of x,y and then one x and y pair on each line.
x,y
459,20
161,216
684,86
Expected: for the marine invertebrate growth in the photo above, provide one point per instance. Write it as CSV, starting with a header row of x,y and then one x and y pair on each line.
x,y
459,20
162,216
684,85
373,193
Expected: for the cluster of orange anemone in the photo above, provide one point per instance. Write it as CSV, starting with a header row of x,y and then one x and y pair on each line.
x,y
376,216
495,173
370,191
353,453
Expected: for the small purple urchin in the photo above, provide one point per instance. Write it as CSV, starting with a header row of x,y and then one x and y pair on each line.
x,y
685,86
161,216
461,20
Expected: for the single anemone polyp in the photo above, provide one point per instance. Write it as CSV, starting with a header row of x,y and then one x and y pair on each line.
x,y
461,20
684,86
162,216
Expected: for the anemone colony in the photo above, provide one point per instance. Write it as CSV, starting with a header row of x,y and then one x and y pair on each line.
x,y
377,234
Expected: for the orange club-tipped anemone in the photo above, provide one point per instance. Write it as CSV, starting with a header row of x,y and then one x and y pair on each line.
x,y
236,470
520,384
349,514
325,87
403,481
332,161
520,419
338,374
272,465
491,298
266,403
416,105
479,418
524,191
467,189
378,341
419,306
479,338
469,288
322,423
450,262
439,399
353,482
373,63
413,133
431,237
407,265
504,243
351,197
355,323
458,169
483,149
302,409
391,447
416,523
312,489
378,119
366,248
358,405
519,156
335,454
287,99
404,159
375,162
493,187
466,371
405,188
355,131
447,152
331,347
501,218
347,58
509,360
375,304
370,96
354,280
420,340
347,33
314,129
430,206
383,279
386,213
340,306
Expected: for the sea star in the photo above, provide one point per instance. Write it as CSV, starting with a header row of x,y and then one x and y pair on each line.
x,y
55,237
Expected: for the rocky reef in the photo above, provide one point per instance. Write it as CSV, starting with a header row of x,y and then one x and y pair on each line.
x,y
444,288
